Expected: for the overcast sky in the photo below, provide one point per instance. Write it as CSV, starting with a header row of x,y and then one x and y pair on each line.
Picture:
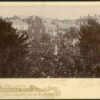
x,y
61,12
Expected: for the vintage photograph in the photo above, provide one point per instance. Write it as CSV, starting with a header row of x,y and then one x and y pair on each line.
x,y
49,41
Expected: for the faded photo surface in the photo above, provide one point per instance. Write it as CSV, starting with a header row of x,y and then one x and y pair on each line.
x,y
49,50
49,41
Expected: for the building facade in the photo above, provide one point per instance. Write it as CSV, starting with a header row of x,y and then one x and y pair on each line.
x,y
36,28
19,25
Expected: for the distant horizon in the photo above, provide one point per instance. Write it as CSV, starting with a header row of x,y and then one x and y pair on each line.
x,y
55,12
23,17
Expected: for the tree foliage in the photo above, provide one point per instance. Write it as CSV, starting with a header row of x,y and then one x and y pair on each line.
x,y
72,33
45,38
13,51
90,40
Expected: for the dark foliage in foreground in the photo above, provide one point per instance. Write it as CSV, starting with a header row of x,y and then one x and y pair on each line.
x,y
13,51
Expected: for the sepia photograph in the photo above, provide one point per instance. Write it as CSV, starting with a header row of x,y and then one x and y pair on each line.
x,y
49,50
50,41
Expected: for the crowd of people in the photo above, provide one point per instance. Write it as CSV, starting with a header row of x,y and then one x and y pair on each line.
x,y
66,62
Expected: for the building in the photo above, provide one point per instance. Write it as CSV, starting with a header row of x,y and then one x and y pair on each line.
x,y
19,25
47,20
61,27
83,20
36,28
65,25
49,27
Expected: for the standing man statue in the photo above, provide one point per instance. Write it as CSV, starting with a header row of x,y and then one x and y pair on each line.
x,y
55,49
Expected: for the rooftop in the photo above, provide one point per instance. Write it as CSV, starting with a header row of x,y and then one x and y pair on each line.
x,y
18,22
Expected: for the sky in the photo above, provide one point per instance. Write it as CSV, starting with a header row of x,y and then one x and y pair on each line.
x,y
50,11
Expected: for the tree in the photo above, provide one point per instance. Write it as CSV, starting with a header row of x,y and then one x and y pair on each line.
x,y
45,38
71,33
13,51
90,41
71,40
